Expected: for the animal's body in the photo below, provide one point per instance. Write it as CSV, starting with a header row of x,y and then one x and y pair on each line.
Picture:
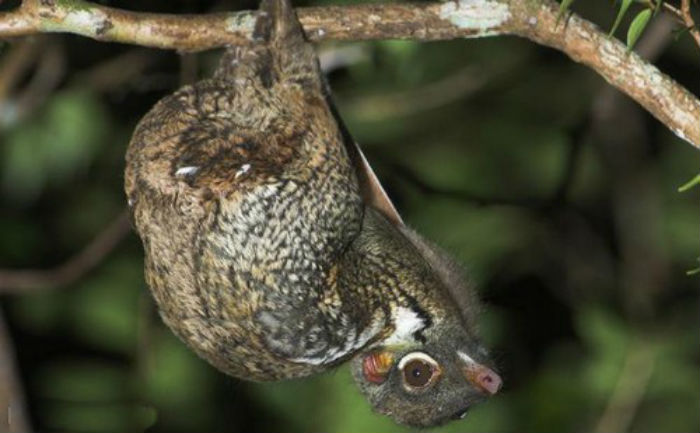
x,y
271,249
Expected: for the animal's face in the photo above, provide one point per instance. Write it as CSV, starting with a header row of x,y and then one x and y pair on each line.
x,y
426,384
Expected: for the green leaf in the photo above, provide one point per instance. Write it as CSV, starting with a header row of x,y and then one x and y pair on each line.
x,y
563,8
620,14
637,27
691,183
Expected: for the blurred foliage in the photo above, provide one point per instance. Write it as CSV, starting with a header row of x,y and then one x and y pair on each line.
x,y
53,146
503,173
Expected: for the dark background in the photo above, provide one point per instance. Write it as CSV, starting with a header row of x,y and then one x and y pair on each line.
x,y
557,193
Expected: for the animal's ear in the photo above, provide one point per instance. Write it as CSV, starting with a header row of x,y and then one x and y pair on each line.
x,y
372,191
376,366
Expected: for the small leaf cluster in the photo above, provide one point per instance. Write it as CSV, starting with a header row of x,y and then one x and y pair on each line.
x,y
638,24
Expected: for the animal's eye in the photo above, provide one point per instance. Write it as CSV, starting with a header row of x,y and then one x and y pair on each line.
x,y
419,370
417,373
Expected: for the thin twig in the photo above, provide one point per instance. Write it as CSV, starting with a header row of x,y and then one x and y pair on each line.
x,y
536,20
409,176
21,281
47,75
13,412
643,266
617,130
682,15
454,87
688,21
629,390
109,75
14,64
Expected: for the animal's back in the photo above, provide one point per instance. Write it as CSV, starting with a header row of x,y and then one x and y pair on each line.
x,y
244,198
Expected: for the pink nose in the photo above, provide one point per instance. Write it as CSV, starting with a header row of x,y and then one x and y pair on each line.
x,y
483,378
488,380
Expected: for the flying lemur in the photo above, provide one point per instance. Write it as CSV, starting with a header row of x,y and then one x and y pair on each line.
x,y
274,253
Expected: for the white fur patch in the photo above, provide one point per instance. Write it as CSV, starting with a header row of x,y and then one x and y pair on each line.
x,y
466,358
185,171
244,169
406,323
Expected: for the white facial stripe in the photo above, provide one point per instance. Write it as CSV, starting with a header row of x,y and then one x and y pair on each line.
x,y
406,323
466,358
416,355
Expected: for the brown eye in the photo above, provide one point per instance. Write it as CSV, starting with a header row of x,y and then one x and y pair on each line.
x,y
417,373
419,370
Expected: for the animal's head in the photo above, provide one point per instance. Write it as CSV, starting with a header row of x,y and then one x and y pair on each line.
x,y
430,367
427,383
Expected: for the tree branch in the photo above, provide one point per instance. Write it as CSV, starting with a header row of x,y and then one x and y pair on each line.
x,y
536,20
688,20
24,280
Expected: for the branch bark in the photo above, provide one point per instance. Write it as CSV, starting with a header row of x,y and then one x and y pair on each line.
x,y
536,20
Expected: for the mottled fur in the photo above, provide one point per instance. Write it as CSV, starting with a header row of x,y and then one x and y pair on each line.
x,y
263,252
